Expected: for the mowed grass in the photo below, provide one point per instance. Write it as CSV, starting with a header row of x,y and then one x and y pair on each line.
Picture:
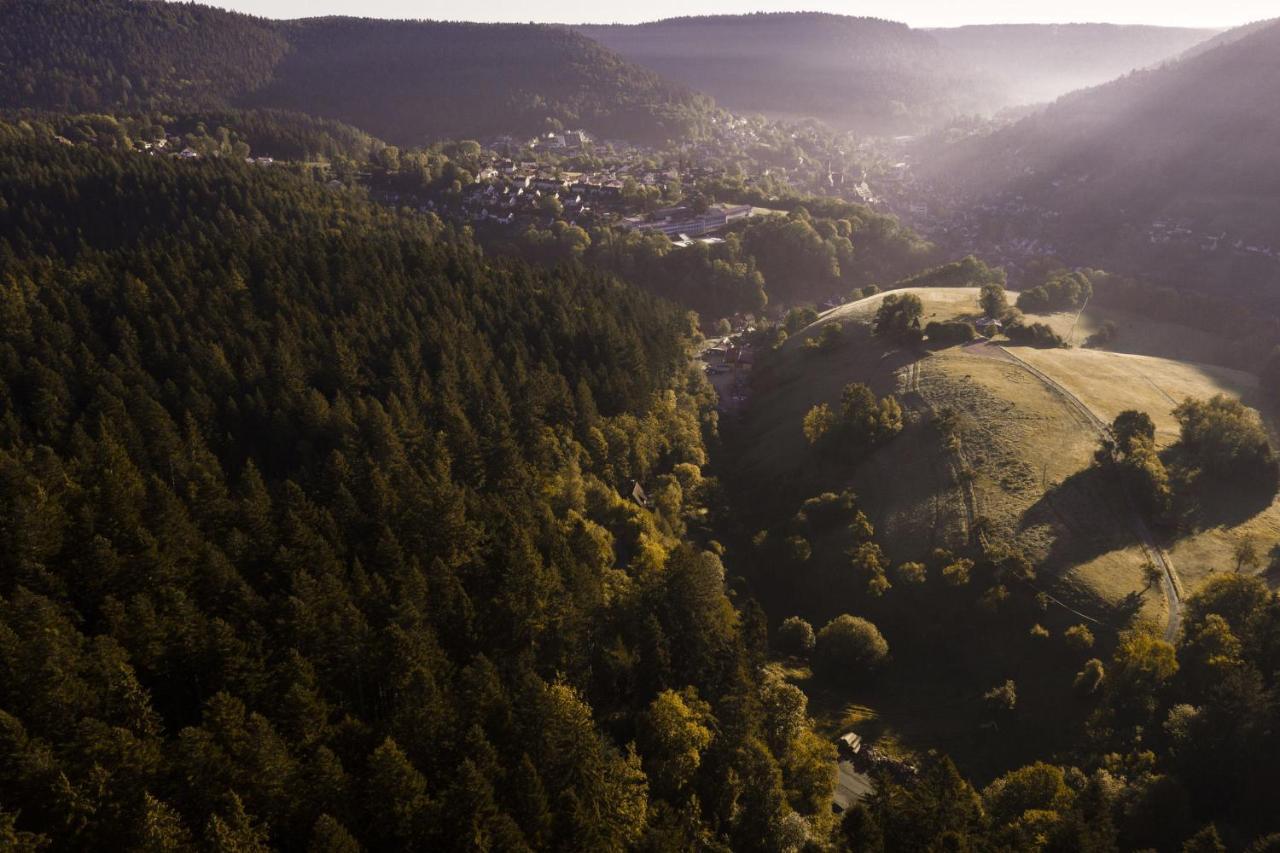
x,y
1112,382
1025,454
1024,466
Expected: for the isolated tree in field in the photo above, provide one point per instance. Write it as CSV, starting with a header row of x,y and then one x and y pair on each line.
x,y
992,300
1223,439
818,423
849,648
899,317
869,421
1245,552
796,637
1128,447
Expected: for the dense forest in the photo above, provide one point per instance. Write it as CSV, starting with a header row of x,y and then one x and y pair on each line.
x,y
409,82
319,527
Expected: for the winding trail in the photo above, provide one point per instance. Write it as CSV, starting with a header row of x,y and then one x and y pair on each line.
x,y
1170,582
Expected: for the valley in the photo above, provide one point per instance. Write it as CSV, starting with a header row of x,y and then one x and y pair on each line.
x,y
779,432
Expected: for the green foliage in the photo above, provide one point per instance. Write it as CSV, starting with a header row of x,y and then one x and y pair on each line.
x,y
796,637
949,332
1222,440
1079,638
992,300
382,76
849,649
1065,291
863,422
969,271
1105,335
316,526
899,317
1128,447
1089,679
1034,335
1002,698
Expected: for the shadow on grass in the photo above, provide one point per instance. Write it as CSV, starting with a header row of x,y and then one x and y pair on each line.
x,y
1086,513
1225,504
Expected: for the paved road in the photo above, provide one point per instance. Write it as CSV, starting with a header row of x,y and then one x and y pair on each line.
x,y
1170,583
852,786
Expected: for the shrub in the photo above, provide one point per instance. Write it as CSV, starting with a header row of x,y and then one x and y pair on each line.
x,y
1002,697
1065,291
992,300
949,333
1079,638
1034,335
957,573
796,637
912,573
849,648
1089,679
898,315
1104,336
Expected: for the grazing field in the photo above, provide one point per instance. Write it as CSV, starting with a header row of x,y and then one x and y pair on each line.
x,y
1027,424
1025,451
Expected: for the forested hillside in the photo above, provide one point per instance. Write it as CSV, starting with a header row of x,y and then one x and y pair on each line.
x,y
1170,170
1040,62
316,526
408,82
866,74
876,76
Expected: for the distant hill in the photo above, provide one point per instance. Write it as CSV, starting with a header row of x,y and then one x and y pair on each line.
x,y
1194,143
1034,63
405,81
879,76
410,79
870,75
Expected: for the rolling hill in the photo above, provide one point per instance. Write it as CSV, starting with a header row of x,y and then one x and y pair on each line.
x,y
1028,425
1171,168
866,74
406,81
1037,62
877,76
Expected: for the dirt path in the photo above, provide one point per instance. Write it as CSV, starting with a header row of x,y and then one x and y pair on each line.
x,y
1170,582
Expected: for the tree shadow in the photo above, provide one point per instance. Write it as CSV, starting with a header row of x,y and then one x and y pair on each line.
x,y
1209,503
1087,516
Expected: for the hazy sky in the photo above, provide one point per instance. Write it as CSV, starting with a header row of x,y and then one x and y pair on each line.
x,y
920,13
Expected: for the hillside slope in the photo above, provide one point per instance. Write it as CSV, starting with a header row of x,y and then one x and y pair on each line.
x,y
870,75
1038,62
314,531
406,81
1191,145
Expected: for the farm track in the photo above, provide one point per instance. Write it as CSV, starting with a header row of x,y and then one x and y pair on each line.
x,y
970,496
1170,583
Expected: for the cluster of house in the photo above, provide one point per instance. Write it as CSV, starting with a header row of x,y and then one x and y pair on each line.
x,y
682,223
505,190
1165,231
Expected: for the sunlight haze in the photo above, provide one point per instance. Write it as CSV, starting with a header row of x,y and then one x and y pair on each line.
x,y
917,13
